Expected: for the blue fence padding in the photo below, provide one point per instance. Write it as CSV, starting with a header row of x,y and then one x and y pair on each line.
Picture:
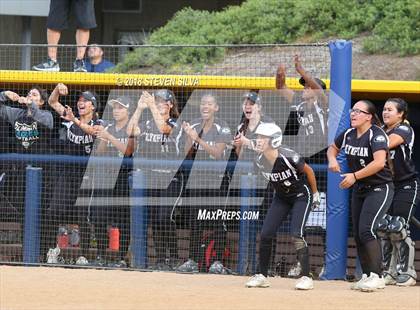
x,y
139,220
31,239
247,233
337,199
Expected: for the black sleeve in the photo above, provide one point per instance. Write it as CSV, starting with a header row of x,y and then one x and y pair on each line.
x,y
379,141
338,141
298,161
405,132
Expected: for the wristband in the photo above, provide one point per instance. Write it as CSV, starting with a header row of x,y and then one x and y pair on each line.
x,y
354,174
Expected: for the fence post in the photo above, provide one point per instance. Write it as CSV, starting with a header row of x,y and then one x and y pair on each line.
x,y
338,200
138,215
31,239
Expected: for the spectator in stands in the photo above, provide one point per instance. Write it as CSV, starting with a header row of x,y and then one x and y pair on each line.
x,y
309,111
96,61
206,137
76,138
115,142
57,21
159,139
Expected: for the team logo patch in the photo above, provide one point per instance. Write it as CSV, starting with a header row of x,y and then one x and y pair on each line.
x,y
380,139
403,127
296,159
377,189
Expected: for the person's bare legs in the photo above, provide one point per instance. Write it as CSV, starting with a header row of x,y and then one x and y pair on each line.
x,y
82,40
53,37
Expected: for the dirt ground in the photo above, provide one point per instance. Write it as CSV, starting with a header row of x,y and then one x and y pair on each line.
x,y
58,288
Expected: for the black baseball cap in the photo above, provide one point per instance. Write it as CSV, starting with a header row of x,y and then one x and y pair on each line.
x,y
318,81
253,97
88,95
165,94
123,101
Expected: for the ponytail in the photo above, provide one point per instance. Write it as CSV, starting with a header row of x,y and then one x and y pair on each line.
x,y
372,110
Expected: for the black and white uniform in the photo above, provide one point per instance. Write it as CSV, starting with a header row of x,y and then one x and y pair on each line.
x,y
372,196
68,179
309,125
118,213
218,133
397,246
248,153
292,195
407,189
161,183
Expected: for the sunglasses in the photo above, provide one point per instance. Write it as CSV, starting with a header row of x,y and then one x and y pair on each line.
x,y
358,111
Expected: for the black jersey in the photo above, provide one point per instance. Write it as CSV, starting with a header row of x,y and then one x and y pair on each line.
x,y
120,135
74,141
286,175
248,153
359,152
155,145
401,156
218,133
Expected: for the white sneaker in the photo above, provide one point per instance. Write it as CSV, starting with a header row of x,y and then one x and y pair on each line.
x,y
295,270
52,255
304,283
258,280
356,286
373,283
405,280
82,261
389,280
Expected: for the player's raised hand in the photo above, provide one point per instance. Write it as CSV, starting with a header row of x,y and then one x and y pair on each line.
x,y
62,89
281,77
12,95
298,65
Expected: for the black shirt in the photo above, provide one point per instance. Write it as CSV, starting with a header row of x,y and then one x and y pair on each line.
x,y
155,145
401,156
286,175
120,135
218,133
359,152
74,141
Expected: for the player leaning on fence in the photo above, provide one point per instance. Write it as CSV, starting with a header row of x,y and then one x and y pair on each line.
x,y
284,169
158,139
397,246
76,138
366,147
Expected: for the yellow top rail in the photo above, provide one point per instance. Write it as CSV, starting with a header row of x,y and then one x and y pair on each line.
x,y
191,81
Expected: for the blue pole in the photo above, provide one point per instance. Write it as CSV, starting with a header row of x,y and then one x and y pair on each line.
x,y
245,228
337,200
31,239
138,215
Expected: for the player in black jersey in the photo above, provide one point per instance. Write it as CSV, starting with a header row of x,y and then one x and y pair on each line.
x,y
253,116
159,139
206,137
284,169
366,149
114,142
309,111
76,138
397,247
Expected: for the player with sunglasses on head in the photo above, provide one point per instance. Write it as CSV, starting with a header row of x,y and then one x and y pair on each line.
x,y
366,147
285,170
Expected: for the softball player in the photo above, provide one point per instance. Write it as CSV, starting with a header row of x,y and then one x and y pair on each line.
x,y
159,138
207,137
397,246
366,147
253,116
76,138
284,169
115,142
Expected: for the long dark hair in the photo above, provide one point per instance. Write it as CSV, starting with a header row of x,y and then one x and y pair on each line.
x,y
371,108
401,106
168,95
42,92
